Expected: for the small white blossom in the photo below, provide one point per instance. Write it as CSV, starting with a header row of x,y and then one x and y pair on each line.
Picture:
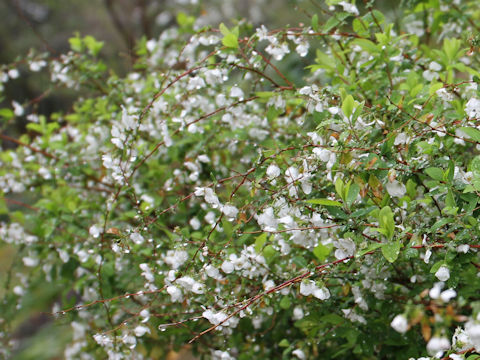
x,y
443,273
400,324
141,330
175,293
37,65
299,354
227,267
175,258
273,171
95,231
437,346
195,223
236,92
215,318
345,248
472,108
447,295
230,211
17,108
321,293
137,238
396,188
472,330
298,313
350,8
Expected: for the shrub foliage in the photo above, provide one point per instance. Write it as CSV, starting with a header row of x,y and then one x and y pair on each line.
x,y
303,192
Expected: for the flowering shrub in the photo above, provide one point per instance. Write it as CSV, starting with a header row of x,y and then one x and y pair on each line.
x,y
216,198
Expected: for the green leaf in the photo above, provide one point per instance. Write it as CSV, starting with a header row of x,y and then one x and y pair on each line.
x,y
315,22
6,113
259,242
473,133
269,252
440,223
367,45
184,20
391,250
411,188
76,44
352,194
339,187
371,247
92,45
325,202
450,199
434,87
347,106
285,303
435,173
385,219
284,343
223,29
230,41
362,212
473,357
321,251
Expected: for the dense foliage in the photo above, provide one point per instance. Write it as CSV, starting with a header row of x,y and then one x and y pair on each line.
x,y
299,193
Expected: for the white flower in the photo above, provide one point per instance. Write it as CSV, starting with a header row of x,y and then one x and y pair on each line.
x,y
213,272
472,329
428,254
400,324
350,8
345,248
137,238
18,290
13,73
175,258
321,293
401,138
472,108
30,261
262,33
437,345
461,340
17,108
443,273
141,330
203,158
307,287
299,354
396,189
227,267
175,293
278,51
445,95
230,211
236,92
214,318
95,231
298,313
273,171
37,65
434,292
211,198
102,340
195,223
447,295
302,48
